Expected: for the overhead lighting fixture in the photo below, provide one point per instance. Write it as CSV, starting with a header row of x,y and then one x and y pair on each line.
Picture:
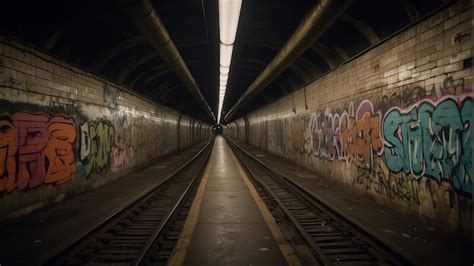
x,y
223,77
224,70
225,54
229,13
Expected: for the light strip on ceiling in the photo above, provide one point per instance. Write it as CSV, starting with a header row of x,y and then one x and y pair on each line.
x,y
229,13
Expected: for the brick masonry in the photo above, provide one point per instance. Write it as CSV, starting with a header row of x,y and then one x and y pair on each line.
x,y
394,123
64,130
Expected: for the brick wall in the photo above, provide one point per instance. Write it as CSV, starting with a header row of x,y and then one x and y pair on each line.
x,y
394,123
65,130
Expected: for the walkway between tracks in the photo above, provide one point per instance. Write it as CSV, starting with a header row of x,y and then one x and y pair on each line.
x,y
228,223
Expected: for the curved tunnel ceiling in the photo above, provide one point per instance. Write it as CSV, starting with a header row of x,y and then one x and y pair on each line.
x,y
98,36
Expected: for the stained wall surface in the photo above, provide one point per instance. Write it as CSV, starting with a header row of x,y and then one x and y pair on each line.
x,y
394,123
64,130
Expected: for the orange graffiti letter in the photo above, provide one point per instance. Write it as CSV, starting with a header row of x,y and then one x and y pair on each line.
x,y
59,150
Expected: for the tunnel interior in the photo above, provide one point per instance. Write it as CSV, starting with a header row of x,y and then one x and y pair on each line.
x,y
102,37
325,132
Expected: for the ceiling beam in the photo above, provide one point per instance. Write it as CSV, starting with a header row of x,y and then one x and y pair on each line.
x,y
320,17
114,51
136,64
362,27
145,17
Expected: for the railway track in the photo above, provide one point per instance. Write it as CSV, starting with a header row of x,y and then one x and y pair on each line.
x,y
146,231
331,238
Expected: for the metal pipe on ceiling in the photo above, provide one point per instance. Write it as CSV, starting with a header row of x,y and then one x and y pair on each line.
x,y
321,16
145,17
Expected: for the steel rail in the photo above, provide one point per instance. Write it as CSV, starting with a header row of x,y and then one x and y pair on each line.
x,y
318,252
59,255
170,214
284,181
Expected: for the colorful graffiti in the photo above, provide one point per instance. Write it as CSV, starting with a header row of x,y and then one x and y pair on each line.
x,y
97,140
35,149
297,132
122,151
121,157
45,148
359,135
353,136
432,139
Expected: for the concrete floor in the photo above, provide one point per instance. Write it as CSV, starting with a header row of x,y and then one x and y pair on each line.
x,y
230,229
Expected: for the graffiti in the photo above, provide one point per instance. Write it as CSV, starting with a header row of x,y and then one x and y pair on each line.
x,y
409,95
59,150
359,135
432,139
450,86
353,136
405,97
35,149
394,186
8,150
321,133
97,139
416,132
297,127
121,157
122,150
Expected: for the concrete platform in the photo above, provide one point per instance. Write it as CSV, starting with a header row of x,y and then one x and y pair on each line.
x,y
26,240
421,240
230,229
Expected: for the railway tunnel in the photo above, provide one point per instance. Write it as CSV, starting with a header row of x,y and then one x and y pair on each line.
x,y
236,132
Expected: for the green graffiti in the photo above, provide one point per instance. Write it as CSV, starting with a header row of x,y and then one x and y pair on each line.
x,y
97,139
432,139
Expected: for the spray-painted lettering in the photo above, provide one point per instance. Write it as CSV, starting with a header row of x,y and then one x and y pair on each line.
x,y
97,139
432,139
35,149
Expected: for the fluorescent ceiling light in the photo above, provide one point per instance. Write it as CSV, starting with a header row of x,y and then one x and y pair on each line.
x,y
229,12
225,55
224,70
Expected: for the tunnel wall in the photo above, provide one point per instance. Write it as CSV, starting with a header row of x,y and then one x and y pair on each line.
x,y
394,123
65,130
